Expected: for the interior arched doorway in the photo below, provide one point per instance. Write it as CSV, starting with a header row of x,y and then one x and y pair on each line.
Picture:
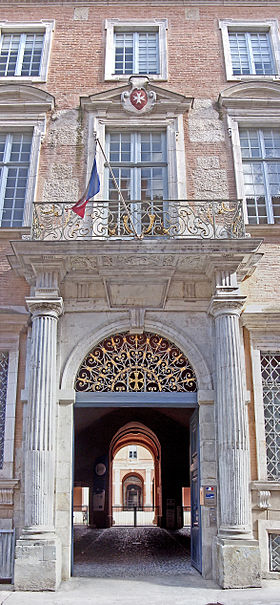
x,y
139,435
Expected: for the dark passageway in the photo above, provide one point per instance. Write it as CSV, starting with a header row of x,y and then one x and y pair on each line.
x,y
131,552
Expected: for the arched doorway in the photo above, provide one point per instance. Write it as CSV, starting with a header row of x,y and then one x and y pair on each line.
x,y
149,499
146,379
132,492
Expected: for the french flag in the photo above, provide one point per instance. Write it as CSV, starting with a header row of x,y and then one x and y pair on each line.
x,y
91,190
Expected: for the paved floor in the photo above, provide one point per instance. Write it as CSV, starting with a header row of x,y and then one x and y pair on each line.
x,y
131,552
143,568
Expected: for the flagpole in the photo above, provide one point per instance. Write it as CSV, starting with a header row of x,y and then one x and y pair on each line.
x,y
116,185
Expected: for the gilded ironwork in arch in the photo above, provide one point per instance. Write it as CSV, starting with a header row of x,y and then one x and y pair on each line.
x,y
135,362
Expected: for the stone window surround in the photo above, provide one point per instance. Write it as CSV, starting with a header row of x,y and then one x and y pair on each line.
x,y
11,345
266,527
37,127
177,186
23,108
111,25
255,120
267,25
46,26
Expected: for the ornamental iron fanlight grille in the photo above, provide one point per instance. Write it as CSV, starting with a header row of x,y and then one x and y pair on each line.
x,y
138,363
4,363
274,552
270,368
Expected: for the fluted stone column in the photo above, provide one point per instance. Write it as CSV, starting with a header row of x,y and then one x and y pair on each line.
x,y
37,552
238,554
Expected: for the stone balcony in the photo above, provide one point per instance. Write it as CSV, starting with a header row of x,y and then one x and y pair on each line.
x,y
158,219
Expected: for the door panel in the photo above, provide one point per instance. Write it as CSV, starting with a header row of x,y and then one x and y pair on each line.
x,y
195,490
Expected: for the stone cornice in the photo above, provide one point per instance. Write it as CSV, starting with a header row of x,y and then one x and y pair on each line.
x,y
183,3
226,305
261,321
13,318
43,307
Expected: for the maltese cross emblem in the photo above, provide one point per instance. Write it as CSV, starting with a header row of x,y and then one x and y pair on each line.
x,y
138,98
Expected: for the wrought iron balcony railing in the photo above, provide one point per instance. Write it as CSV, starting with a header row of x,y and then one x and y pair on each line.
x,y
172,219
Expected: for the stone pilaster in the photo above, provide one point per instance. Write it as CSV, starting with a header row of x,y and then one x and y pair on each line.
x,y
37,564
238,554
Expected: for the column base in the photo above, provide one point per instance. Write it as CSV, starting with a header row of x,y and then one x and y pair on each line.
x,y
238,563
37,563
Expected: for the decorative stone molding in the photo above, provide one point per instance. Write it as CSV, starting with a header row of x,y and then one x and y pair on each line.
x,y
138,100
39,307
251,95
226,305
7,487
264,499
137,319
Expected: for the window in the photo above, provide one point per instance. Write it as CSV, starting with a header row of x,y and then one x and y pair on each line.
x,y
251,48
274,552
260,149
21,132
251,53
25,50
136,47
15,150
139,164
270,371
132,452
21,54
136,53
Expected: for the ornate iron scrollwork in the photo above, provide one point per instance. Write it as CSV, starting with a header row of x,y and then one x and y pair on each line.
x,y
136,362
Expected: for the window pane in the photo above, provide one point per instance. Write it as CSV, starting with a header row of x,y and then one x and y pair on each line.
x,y
124,53
9,53
148,53
123,178
32,55
152,183
262,56
239,53
271,137
152,147
250,143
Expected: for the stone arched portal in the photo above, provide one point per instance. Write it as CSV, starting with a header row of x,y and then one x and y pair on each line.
x,y
149,369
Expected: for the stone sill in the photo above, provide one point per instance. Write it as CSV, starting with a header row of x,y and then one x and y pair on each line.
x,y
265,485
264,231
13,233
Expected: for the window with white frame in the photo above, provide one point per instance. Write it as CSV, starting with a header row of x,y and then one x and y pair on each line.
x,y
136,53
251,48
139,163
270,371
15,152
260,150
25,50
136,48
132,452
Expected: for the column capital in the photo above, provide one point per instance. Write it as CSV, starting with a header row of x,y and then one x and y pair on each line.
x,y
230,305
52,307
